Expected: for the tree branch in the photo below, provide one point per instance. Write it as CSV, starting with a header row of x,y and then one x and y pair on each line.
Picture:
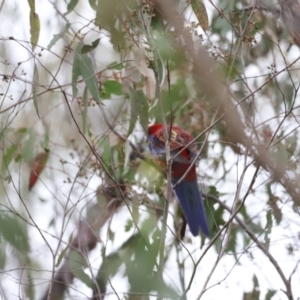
x,y
85,240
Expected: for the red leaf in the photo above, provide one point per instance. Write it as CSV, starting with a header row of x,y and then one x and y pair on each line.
x,y
38,166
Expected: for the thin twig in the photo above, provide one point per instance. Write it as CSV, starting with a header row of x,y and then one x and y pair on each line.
x,y
251,234
156,57
259,5
214,88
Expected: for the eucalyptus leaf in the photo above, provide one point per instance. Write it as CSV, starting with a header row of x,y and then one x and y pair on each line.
x,y
89,48
57,37
71,5
82,66
8,157
201,13
34,24
34,89
14,232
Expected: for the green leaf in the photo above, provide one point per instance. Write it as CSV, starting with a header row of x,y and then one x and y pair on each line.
x,y
141,271
58,36
106,155
8,157
148,225
76,73
201,13
291,143
89,48
64,251
30,290
45,142
34,28
268,229
22,130
93,4
165,290
128,225
135,209
213,190
18,158
71,6
255,293
77,263
134,113
281,155
173,101
110,87
2,256
82,66
115,66
154,177
139,108
31,4
107,14
62,255
127,152
270,294
88,74
113,262
106,149
27,151
34,92
143,112
84,111
14,233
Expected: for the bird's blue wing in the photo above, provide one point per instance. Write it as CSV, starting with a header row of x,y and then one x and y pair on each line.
x,y
191,202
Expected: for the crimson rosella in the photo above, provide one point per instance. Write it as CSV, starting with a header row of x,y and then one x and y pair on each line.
x,y
183,151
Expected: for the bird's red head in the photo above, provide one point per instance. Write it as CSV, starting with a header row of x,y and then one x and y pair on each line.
x,y
152,129
179,139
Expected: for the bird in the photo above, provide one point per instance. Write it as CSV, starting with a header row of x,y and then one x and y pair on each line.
x,y
183,152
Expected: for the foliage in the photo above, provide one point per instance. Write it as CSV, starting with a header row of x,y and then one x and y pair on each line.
x,y
78,91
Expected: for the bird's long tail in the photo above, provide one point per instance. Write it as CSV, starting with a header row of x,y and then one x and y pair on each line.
x,y
190,199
